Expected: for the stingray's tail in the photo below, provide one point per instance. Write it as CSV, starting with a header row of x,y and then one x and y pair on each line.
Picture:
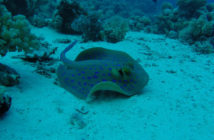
x,y
62,55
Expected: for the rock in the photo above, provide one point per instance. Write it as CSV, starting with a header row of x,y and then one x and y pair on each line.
x,y
77,121
8,76
172,34
42,55
5,103
62,40
82,110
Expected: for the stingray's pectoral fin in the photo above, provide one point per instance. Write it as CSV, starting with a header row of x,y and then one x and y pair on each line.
x,y
105,86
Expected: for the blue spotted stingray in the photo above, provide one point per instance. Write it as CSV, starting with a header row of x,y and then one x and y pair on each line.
x,y
100,69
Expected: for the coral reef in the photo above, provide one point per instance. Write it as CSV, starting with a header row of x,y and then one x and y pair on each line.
x,y
92,18
38,12
8,76
67,12
197,30
204,47
15,33
122,8
18,7
190,8
5,103
26,7
210,7
115,29
168,20
138,23
89,26
192,21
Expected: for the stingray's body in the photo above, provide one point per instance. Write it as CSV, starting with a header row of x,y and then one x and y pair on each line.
x,y
98,69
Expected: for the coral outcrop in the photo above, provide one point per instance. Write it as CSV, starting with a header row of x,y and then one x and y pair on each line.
x,y
8,76
89,26
92,27
197,30
138,23
115,29
67,12
5,103
15,33
190,8
38,12
192,21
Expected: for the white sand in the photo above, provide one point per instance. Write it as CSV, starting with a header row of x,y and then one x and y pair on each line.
x,y
176,104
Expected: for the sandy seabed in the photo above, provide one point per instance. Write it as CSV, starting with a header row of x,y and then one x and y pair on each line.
x,y
177,103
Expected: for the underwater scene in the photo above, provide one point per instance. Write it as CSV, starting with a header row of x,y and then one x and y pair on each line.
x,y
107,69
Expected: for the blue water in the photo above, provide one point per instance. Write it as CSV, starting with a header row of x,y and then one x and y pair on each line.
x,y
176,49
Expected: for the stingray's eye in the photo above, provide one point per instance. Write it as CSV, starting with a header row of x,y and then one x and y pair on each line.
x,y
126,71
117,73
120,71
